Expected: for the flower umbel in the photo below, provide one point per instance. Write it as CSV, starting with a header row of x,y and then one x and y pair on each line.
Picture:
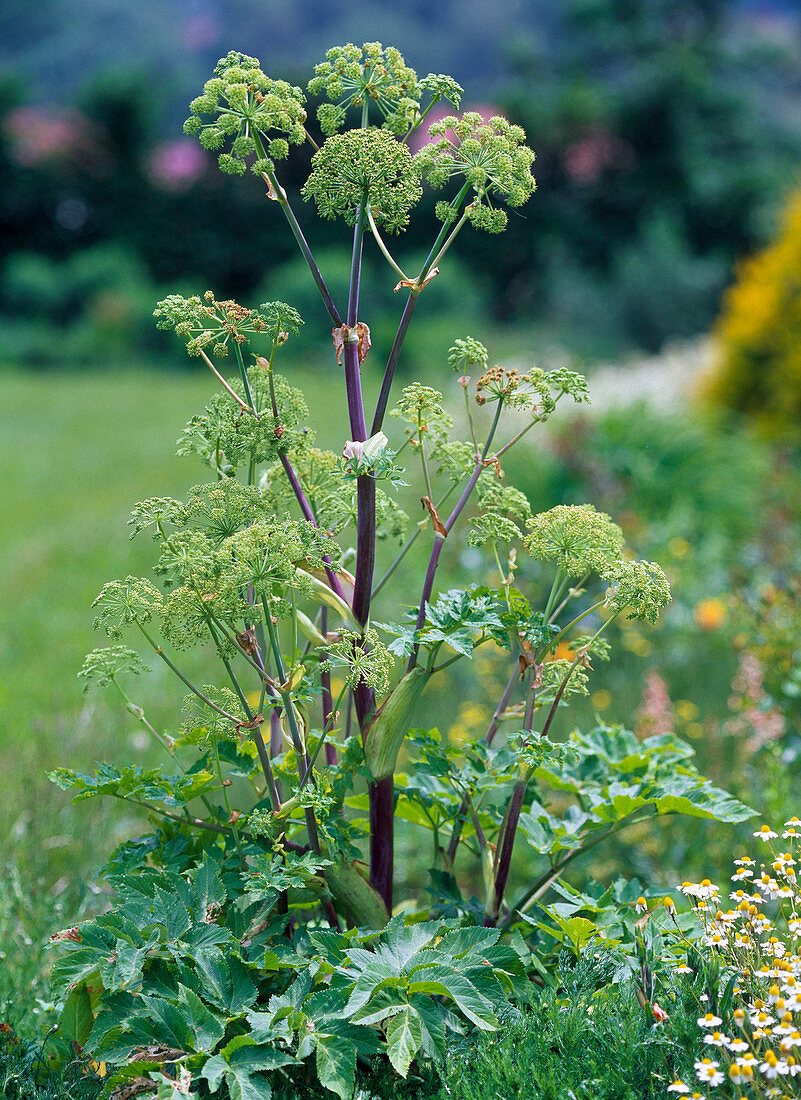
x,y
577,537
364,166
490,156
246,102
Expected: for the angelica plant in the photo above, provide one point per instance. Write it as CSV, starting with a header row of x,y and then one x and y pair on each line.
x,y
253,924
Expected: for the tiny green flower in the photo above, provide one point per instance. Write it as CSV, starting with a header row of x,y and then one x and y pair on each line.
x,y
228,441
467,353
351,75
204,322
226,506
577,537
364,166
490,156
246,102
422,407
640,586
102,666
501,509
155,510
121,603
366,658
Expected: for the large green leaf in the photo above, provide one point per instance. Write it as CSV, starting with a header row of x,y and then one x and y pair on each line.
x,y
226,982
207,1027
335,1057
404,1039
123,968
76,1019
432,1018
241,1064
447,982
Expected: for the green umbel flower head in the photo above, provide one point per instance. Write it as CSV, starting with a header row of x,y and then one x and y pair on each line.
x,y
121,603
490,156
577,537
102,666
422,407
466,354
248,106
206,321
640,586
366,659
227,441
364,166
352,74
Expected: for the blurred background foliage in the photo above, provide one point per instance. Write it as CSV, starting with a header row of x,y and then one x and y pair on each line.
x,y
667,134
668,139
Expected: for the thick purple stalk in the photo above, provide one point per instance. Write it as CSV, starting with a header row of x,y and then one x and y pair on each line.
x,y
509,828
276,734
392,361
382,840
507,844
381,794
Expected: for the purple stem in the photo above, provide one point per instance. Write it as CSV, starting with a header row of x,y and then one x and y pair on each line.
x,y
276,736
381,794
382,840
428,584
488,737
392,361
507,844
507,840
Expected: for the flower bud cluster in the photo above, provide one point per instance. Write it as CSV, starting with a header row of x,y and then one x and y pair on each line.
x,y
490,156
361,167
247,103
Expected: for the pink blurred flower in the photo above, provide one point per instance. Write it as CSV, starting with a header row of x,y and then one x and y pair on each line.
x,y
176,165
655,716
40,134
586,160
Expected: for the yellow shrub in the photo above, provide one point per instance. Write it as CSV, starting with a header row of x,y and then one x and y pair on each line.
x,y
758,334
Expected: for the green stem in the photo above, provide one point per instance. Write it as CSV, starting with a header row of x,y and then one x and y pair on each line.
x,y
197,822
559,577
574,622
224,789
545,881
195,691
456,229
297,232
379,240
139,713
579,657
325,732
261,748
421,445
225,385
240,362
515,438
289,710
575,590
421,119
436,248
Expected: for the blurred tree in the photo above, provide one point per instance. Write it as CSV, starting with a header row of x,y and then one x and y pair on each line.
x,y
664,135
